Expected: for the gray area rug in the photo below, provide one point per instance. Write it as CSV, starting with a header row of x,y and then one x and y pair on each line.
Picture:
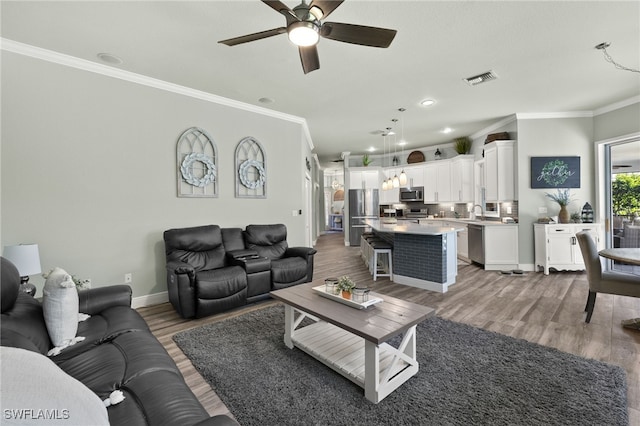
x,y
467,376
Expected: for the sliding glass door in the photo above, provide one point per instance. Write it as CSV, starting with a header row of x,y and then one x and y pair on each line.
x,y
621,181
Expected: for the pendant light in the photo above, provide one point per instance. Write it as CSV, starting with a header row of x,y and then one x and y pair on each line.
x,y
403,175
384,150
396,180
389,180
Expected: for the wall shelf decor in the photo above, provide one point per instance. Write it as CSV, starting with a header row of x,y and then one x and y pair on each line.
x,y
251,169
197,157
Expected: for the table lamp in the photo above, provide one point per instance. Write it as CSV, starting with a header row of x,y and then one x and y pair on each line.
x,y
26,258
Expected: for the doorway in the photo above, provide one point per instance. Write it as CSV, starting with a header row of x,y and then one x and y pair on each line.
x,y
620,160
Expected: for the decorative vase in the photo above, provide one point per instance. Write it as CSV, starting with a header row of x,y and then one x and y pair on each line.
x,y
564,216
346,294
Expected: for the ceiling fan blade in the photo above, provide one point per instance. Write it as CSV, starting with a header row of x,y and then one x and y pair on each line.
x,y
283,9
358,34
327,6
309,58
252,37
277,5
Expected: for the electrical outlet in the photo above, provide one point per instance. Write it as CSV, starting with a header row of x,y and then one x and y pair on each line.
x,y
128,278
451,208
508,210
294,212
542,210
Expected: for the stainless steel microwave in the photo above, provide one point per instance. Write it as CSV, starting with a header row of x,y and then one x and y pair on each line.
x,y
412,194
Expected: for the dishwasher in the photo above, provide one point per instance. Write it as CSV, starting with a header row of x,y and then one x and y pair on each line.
x,y
476,243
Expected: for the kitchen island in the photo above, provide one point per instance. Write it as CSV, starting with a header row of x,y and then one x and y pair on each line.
x,y
423,256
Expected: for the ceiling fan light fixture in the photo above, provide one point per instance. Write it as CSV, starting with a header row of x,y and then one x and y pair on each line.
x,y
303,33
316,12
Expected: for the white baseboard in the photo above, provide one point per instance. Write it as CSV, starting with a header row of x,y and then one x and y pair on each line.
x,y
150,299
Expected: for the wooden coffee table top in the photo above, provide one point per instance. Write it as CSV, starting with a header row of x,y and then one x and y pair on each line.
x,y
378,323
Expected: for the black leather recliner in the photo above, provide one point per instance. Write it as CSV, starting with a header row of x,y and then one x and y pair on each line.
x,y
212,269
289,265
201,279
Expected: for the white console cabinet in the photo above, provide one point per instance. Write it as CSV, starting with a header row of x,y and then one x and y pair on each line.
x,y
556,245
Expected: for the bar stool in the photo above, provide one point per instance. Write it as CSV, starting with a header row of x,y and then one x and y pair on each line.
x,y
365,246
381,248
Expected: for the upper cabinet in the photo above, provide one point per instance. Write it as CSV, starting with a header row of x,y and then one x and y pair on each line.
x,y
499,171
364,179
462,179
437,182
415,175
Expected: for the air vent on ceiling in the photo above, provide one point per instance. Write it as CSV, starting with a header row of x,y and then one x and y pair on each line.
x,y
481,78
621,166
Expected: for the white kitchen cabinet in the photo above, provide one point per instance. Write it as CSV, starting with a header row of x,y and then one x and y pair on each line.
x,y
415,175
462,179
499,171
390,196
437,182
364,179
500,247
556,245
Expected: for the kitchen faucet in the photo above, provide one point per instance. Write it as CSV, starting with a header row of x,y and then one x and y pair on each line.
x,y
481,211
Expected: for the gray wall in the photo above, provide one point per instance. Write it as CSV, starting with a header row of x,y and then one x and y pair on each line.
x,y
89,170
551,137
619,122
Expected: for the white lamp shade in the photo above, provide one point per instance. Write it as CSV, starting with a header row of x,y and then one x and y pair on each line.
x,y
25,257
403,178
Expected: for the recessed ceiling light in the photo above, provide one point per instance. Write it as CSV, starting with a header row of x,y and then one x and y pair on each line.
x,y
427,102
109,58
371,149
447,130
266,100
402,143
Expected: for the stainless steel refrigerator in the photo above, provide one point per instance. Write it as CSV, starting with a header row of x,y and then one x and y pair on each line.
x,y
363,204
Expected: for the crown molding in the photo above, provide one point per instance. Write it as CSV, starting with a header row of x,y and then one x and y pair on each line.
x,y
548,115
94,67
497,125
617,105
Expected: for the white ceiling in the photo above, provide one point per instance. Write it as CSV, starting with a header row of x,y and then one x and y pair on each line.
x,y
542,51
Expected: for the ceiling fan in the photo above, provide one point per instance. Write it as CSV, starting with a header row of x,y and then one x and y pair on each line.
x,y
305,27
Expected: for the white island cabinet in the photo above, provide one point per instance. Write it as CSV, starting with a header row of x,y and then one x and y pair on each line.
x,y
556,245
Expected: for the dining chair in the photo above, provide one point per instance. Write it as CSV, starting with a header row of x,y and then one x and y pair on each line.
x,y
603,281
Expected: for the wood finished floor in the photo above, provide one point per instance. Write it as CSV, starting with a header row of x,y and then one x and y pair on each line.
x,y
548,310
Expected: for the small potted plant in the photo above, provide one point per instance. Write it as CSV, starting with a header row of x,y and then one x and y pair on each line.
x,y
366,160
462,145
563,198
346,286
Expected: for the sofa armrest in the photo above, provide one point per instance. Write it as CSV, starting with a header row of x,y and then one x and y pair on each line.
x,y
304,252
181,268
219,420
95,300
236,254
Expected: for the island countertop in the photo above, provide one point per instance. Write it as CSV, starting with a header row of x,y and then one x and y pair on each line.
x,y
410,228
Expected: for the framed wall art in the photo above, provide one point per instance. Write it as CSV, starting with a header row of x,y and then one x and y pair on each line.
x,y
197,157
251,169
555,172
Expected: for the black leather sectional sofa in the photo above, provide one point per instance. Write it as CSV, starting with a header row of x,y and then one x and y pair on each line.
x,y
119,353
212,269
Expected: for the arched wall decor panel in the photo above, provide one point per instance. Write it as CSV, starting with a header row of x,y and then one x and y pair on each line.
x,y
251,169
197,157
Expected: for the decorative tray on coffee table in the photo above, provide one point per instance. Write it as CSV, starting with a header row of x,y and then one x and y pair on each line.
x,y
338,298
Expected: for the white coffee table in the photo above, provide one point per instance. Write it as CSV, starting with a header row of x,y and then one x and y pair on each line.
x,y
352,341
